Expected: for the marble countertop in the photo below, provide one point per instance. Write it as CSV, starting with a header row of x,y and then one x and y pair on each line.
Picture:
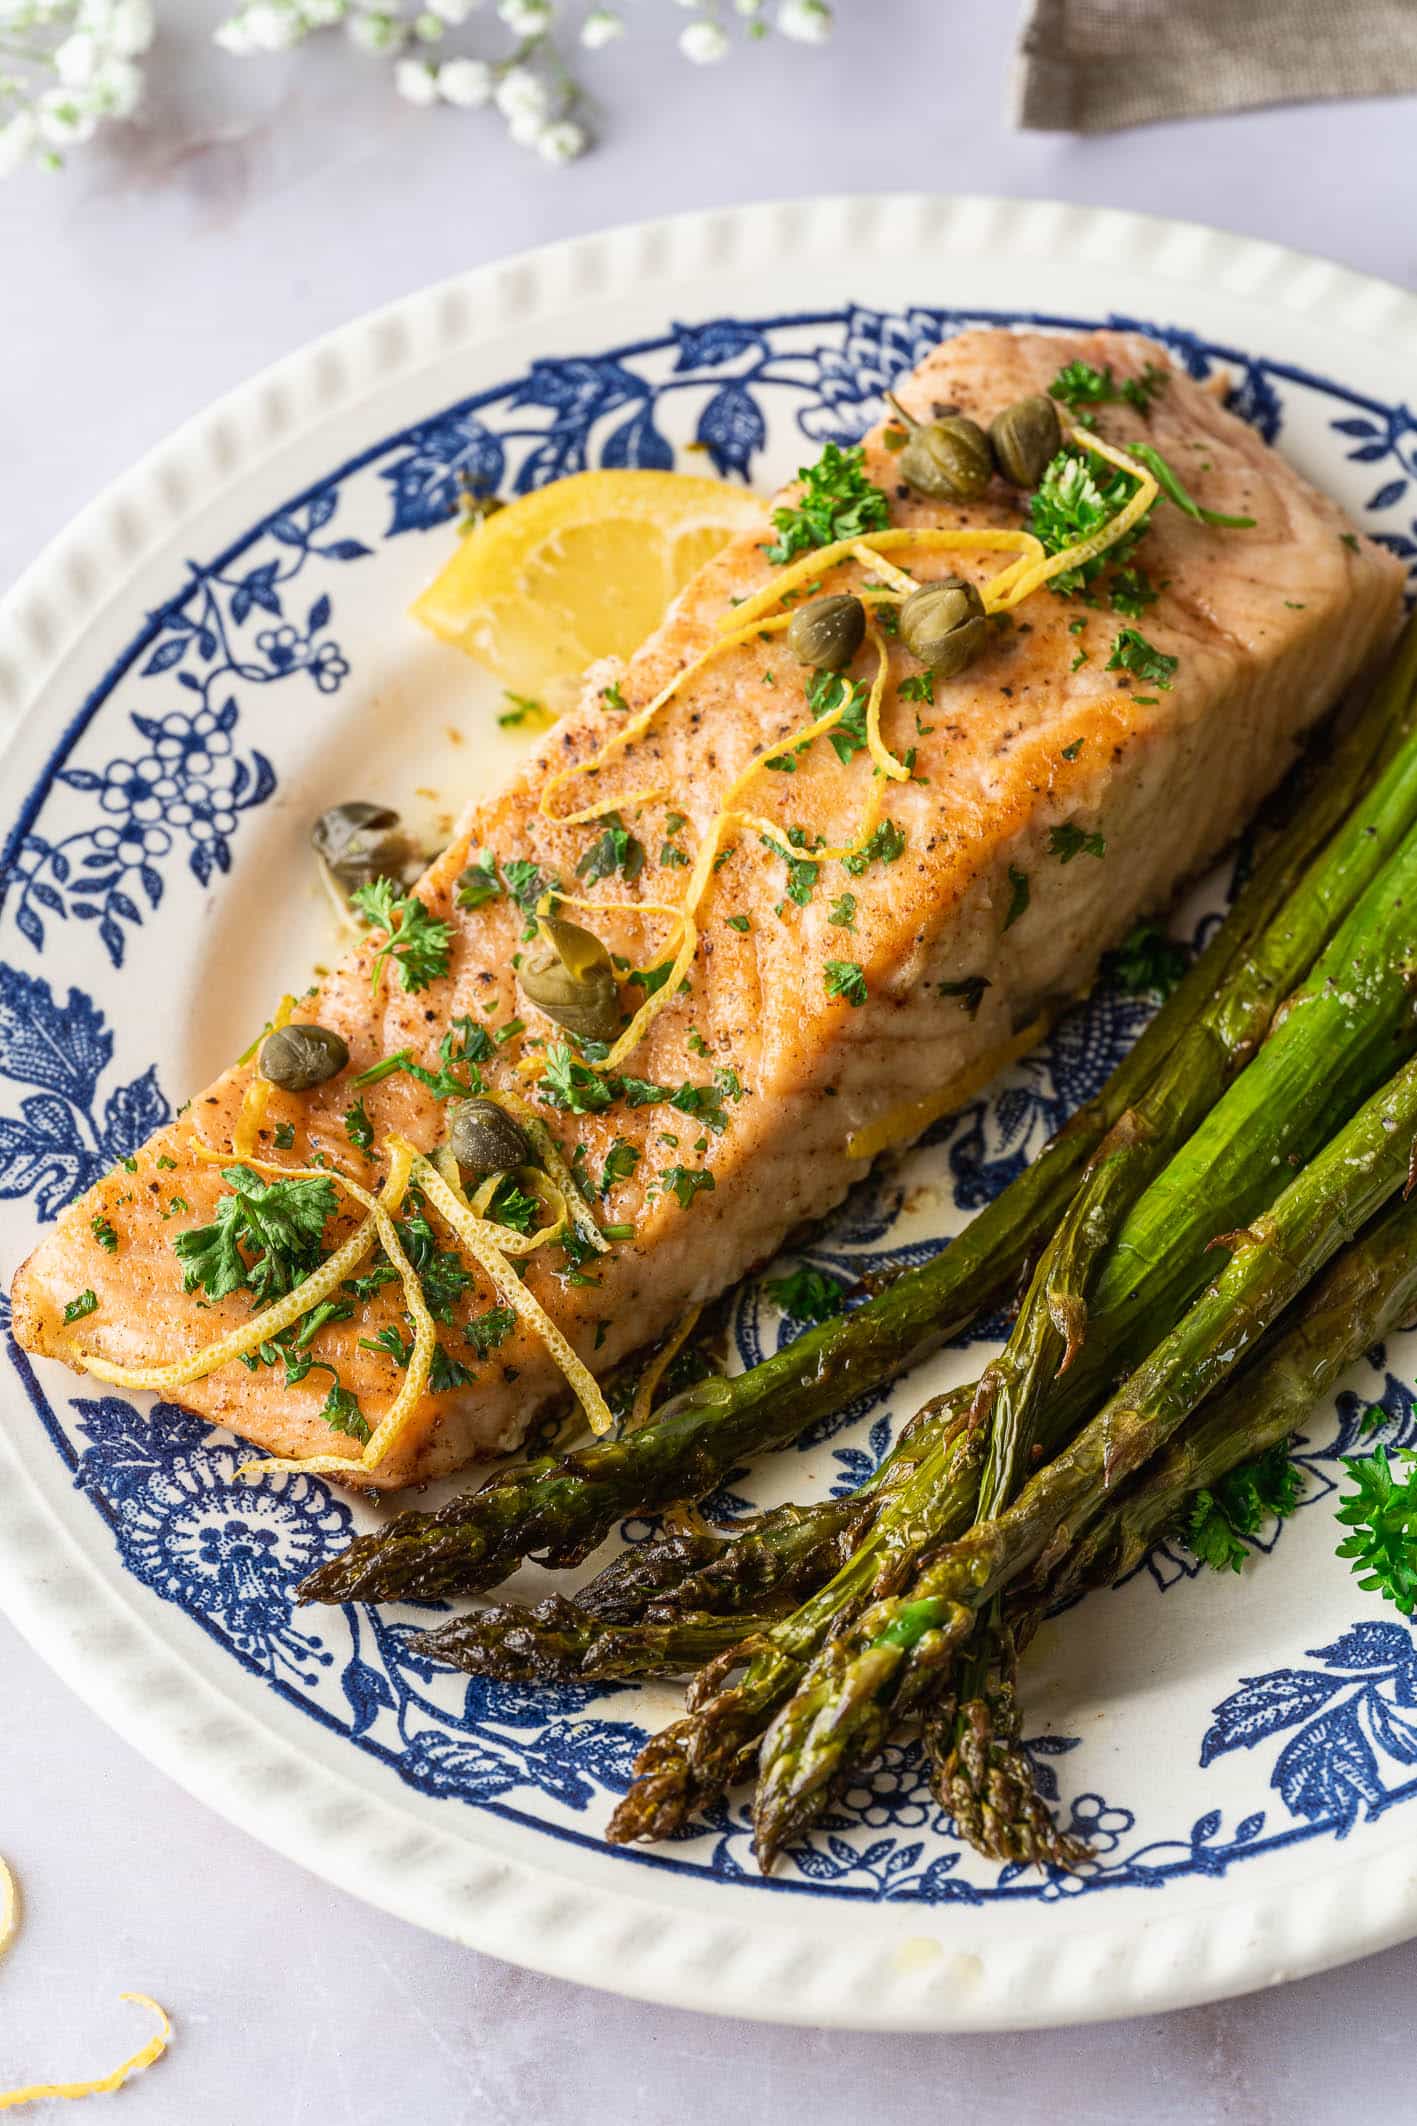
x,y
257,206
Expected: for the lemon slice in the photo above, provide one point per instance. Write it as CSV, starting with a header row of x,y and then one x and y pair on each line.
x,y
580,569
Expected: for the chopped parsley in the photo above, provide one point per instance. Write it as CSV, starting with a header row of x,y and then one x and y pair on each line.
x,y
417,942
447,1372
526,882
441,1271
1018,896
1146,963
918,686
613,850
885,845
83,1303
1217,1521
571,1085
342,1413
613,698
391,1342
842,912
267,1236
829,690
837,502
485,1331
511,1207
1068,841
358,1128
285,1136
479,882
806,1294
620,1162
1072,503
1131,652
1079,384
686,1182
740,923
1131,591
1071,752
845,978
524,709
103,1233
669,855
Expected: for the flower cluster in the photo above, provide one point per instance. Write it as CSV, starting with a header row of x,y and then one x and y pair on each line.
x,y
65,67
531,85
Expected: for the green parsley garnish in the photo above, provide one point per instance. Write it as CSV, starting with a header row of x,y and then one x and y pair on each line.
x,y
1018,896
669,855
620,1162
740,923
1381,1510
84,1303
342,1413
842,912
837,502
806,1294
103,1233
845,978
687,1182
510,1207
267,1236
1131,591
485,1331
1068,841
917,686
523,708
1131,652
571,1085
1217,1521
479,882
885,845
1072,503
613,698
358,1128
417,942
615,849
1146,963
1079,384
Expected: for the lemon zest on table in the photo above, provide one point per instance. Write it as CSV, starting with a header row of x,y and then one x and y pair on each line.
x,y
471,1231
103,2084
654,1372
257,1095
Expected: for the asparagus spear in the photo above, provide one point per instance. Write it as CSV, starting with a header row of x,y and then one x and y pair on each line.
x,y
562,1506
1352,1017
885,1664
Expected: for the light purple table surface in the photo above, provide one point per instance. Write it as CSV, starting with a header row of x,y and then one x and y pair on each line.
x,y
256,206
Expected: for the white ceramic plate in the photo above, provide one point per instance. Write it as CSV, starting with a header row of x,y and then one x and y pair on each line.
x,y
216,650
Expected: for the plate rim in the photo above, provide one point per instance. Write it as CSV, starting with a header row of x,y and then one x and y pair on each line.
x,y
218,1746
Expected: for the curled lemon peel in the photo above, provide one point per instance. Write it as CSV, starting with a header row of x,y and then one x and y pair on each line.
x,y
532,1182
104,2084
257,1095
685,947
642,1406
471,1231
1023,585
964,540
549,1153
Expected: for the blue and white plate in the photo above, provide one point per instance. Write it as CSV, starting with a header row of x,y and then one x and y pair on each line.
x,y
219,648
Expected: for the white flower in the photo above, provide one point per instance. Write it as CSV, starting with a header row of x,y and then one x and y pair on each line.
x,y
429,28
747,7
232,37
703,42
322,14
375,33
526,128
132,28
522,94
16,140
416,81
808,21
601,26
76,58
63,120
116,89
453,12
95,16
528,18
272,26
465,82
562,142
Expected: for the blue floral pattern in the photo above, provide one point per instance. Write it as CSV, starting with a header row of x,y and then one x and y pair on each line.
x,y
141,809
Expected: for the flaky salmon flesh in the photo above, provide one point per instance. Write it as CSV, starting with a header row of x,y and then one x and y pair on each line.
x,y
1054,797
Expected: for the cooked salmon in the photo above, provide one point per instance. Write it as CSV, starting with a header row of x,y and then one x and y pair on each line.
x,y
1055,794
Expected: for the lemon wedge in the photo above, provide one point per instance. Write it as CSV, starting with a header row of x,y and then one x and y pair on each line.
x,y
579,569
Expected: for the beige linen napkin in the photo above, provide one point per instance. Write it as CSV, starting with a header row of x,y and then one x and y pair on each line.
x,y
1089,66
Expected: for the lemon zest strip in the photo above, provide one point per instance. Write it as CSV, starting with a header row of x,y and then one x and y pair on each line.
x,y
547,1194
549,1152
654,1372
685,947
932,540
901,1125
105,2084
1032,579
258,1092
533,1316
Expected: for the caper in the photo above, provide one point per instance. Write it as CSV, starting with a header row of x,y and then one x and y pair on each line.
x,y
573,981
485,1139
1026,437
943,624
828,632
298,1057
361,842
948,459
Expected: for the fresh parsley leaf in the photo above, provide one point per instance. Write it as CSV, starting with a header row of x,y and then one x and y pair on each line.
x,y
686,1183
829,690
524,710
485,1331
1131,652
358,1128
447,1372
1381,1510
417,942
391,1342
620,1162
1072,502
669,855
740,923
1068,841
844,978
442,1272
1217,1521
614,849
884,847
1082,385
83,1303
571,1085
970,992
103,1233
342,1413
917,686
613,698
479,882
1131,591
511,1207
1019,891
267,1235
1146,963
837,501
842,911
526,882
806,1294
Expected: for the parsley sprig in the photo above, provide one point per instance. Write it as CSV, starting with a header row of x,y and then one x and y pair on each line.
x,y
1381,1510
1217,1521
416,942
837,502
266,1236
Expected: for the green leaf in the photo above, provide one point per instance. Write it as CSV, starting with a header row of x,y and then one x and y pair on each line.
x,y
1068,841
837,501
1146,454
83,1303
1131,652
479,882
884,847
806,1294
1146,963
571,1085
1018,896
614,850
1217,1521
1382,1511
845,978
418,943
687,1182
486,1331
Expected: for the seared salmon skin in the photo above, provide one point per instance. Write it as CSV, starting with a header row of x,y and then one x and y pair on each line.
x,y
1097,751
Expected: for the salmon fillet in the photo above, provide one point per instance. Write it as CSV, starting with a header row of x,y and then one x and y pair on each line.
x,y
1147,783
